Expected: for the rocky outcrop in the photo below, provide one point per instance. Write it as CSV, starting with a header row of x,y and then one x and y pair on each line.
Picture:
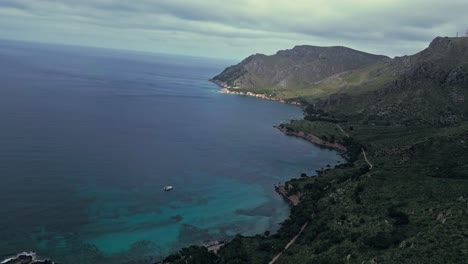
x,y
292,199
428,88
26,258
312,138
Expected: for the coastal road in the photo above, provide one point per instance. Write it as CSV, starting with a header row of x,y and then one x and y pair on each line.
x,y
363,151
342,130
289,244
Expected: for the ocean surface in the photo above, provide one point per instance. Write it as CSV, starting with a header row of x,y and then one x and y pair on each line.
x,y
89,138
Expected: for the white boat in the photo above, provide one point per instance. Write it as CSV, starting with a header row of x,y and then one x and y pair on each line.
x,y
168,188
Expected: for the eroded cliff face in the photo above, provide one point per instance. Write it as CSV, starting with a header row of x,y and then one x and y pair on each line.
x,y
299,67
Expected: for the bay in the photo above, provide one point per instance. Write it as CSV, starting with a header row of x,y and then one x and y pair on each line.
x,y
89,137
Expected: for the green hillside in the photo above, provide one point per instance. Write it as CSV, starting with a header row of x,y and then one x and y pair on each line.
x,y
293,69
402,197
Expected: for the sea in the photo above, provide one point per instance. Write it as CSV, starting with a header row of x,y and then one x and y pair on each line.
x,y
90,137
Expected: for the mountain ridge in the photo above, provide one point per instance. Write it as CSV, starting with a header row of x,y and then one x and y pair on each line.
x,y
300,66
426,87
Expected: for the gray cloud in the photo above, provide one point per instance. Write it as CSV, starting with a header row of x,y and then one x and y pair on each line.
x,y
234,28
12,4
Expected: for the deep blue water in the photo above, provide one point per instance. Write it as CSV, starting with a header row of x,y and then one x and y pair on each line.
x,y
89,138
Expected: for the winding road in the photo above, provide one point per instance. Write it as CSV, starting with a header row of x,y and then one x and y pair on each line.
x,y
365,157
363,151
289,244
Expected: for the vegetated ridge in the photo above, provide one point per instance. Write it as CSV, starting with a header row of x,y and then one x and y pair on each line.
x,y
299,67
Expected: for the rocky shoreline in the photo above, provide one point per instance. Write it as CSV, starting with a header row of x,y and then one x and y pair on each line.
x,y
26,258
225,89
292,200
262,96
312,138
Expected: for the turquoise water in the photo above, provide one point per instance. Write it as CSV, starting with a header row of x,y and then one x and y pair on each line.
x,y
90,137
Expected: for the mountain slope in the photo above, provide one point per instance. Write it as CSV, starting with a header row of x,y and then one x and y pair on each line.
x,y
408,118
299,67
430,87
427,87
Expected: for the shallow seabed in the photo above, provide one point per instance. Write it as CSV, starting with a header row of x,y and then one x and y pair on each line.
x,y
90,137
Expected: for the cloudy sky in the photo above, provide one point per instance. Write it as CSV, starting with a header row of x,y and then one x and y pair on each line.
x,y
234,29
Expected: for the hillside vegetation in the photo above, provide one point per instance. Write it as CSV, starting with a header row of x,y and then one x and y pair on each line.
x,y
299,67
409,116
428,87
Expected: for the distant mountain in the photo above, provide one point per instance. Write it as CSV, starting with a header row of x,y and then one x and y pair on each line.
x,y
430,87
299,67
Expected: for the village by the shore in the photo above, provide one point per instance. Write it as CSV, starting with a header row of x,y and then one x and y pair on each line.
x,y
226,90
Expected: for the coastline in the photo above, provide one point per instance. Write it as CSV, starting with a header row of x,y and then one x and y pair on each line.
x,y
311,138
292,200
282,190
226,90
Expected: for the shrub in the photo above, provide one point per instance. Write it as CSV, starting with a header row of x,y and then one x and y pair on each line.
x,y
383,240
398,217
265,246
